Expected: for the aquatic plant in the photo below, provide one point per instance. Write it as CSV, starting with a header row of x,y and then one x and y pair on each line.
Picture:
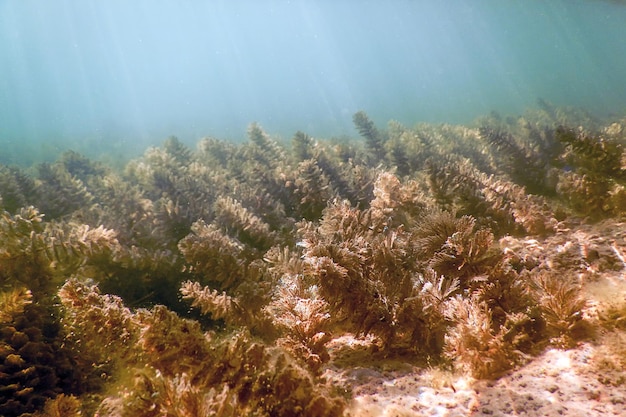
x,y
243,225
230,280
34,259
366,266
123,206
454,247
374,141
171,366
16,189
13,302
61,406
59,192
213,280
581,168
527,167
300,315
82,167
499,204
473,343
33,364
312,190
594,183
561,305
302,146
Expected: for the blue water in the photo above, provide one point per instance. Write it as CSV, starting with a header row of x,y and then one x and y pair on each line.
x,y
119,73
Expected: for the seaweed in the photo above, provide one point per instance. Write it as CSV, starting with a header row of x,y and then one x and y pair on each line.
x,y
561,304
123,207
335,255
349,179
172,366
594,182
233,268
61,406
473,343
211,253
365,266
582,169
16,189
453,246
503,206
28,251
13,302
302,317
81,167
220,306
302,146
241,224
215,153
34,366
59,192
215,280
525,167
312,190
299,313
374,140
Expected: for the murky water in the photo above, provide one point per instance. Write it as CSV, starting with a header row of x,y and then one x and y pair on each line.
x,y
115,76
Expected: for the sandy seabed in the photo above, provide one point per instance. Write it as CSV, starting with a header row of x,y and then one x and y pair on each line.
x,y
586,380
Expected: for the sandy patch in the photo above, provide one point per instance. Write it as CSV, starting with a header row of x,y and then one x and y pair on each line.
x,y
587,380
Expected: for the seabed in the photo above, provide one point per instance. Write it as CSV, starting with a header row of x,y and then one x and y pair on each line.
x,y
433,270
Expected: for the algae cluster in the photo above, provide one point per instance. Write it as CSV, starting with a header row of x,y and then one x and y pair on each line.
x,y
211,281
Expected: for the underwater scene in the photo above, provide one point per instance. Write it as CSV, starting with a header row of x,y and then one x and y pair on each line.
x,y
295,208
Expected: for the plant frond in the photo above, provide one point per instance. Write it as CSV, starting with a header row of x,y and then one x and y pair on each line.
x,y
473,344
561,303
374,141
219,305
12,303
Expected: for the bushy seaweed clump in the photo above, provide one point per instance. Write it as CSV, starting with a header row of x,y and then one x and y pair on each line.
x,y
279,249
35,258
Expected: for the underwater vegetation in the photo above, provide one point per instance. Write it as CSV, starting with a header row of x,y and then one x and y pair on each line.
x,y
210,281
